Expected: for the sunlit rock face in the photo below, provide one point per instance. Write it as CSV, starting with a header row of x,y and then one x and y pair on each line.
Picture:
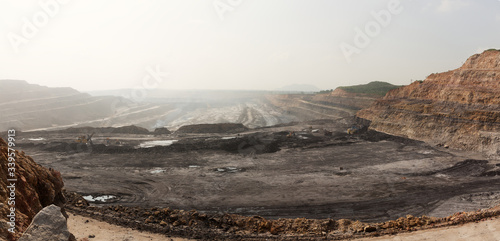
x,y
459,108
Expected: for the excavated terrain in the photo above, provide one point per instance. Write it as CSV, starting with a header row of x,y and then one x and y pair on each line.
x,y
303,180
458,108
298,170
328,106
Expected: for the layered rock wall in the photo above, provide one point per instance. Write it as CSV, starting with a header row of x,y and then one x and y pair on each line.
x,y
459,108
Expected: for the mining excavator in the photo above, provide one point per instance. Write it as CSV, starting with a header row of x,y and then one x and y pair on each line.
x,y
353,130
87,139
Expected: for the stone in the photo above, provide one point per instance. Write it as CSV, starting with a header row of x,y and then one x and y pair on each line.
x,y
129,238
370,229
48,224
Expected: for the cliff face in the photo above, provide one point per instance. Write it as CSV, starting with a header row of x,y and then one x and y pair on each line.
x,y
36,187
459,108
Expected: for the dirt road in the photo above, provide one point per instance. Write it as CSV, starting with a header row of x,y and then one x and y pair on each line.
x,y
483,231
95,230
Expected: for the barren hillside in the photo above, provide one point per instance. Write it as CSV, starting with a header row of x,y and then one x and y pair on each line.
x,y
25,106
459,108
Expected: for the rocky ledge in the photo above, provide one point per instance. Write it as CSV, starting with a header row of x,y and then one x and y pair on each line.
x,y
459,108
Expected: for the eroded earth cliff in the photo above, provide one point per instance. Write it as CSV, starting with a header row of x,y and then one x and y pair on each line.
x,y
35,188
459,108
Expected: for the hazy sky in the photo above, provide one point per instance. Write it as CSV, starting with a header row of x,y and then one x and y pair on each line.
x,y
239,44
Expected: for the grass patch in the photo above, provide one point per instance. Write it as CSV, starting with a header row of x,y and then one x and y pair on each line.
x,y
377,88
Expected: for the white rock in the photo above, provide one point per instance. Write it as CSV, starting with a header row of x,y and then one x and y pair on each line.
x,y
48,224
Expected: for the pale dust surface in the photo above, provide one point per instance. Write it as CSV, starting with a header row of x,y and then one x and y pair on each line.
x,y
103,231
488,230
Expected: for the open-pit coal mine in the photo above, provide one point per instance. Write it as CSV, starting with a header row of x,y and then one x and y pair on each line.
x,y
308,169
334,165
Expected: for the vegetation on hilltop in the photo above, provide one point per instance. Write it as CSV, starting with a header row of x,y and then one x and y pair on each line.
x,y
325,91
377,88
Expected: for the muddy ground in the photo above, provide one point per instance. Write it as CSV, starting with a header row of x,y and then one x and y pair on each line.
x,y
367,176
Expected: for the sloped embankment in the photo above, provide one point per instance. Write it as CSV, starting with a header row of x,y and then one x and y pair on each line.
x,y
342,102
311,107
459,108
22,103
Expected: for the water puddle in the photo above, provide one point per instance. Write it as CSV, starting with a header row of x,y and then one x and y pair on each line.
x,y
148,144
102,198
228,169
156,171
37,139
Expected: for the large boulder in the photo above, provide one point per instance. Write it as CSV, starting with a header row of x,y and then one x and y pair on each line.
x,y
48,224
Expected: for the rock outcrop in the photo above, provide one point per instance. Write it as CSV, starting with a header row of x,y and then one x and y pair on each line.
x,y
48,224
36,187
459,108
